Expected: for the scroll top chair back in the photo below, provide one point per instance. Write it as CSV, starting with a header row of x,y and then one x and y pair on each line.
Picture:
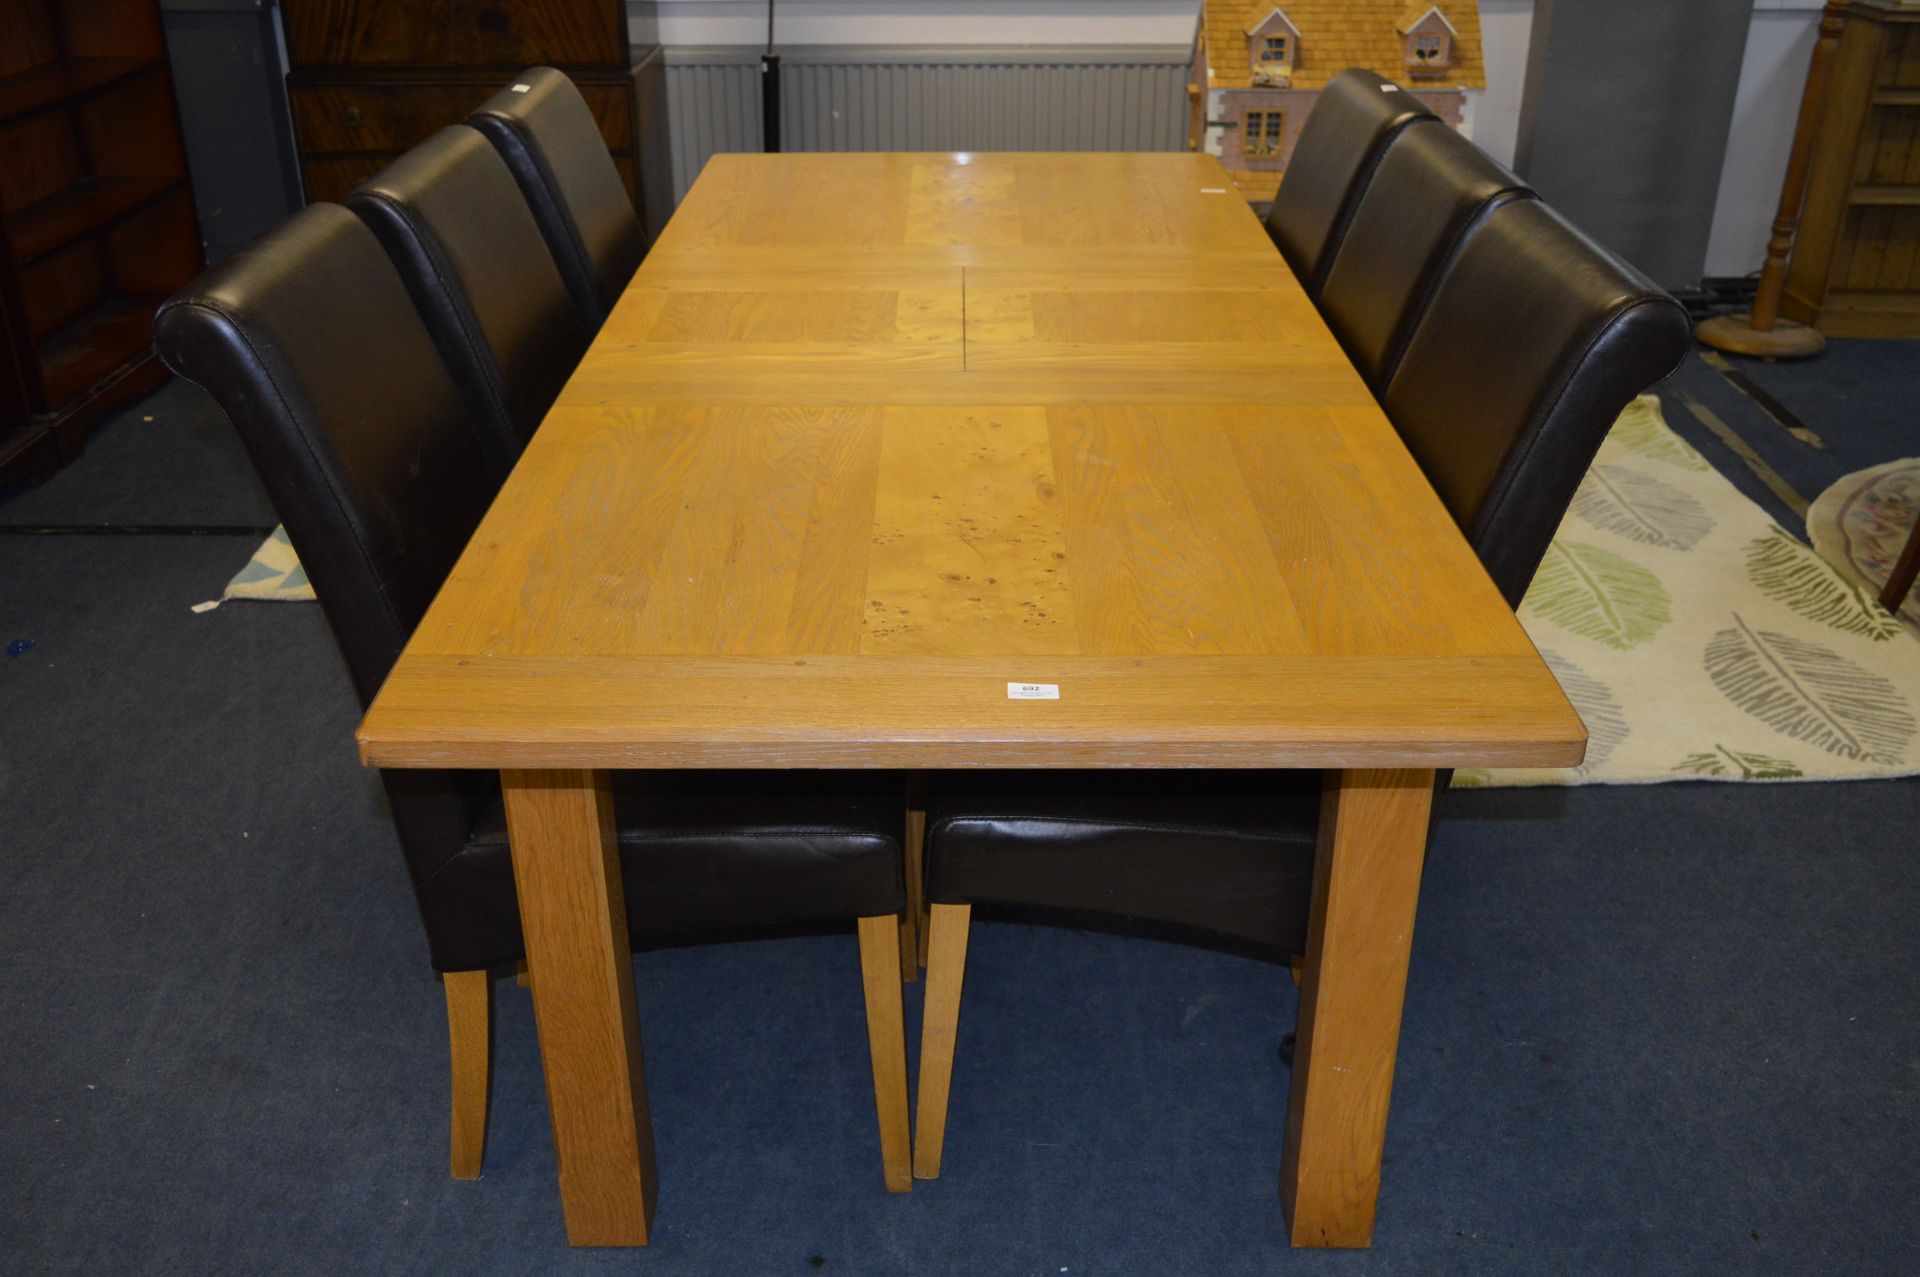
x,y
1535,341
546,133
1536,338
1356,115
460,233
1430,190
309,342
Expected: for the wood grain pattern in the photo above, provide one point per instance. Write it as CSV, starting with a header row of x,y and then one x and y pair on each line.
x,y
1373,840
566,868
837,471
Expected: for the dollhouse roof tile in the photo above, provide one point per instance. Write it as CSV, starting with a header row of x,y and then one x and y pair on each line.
x,y
1337,34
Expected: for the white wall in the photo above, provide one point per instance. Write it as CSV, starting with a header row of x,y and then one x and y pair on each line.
x,y
1779,45
917,22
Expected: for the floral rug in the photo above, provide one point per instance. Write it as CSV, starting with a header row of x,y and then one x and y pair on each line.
x,y
1861,524
1700,641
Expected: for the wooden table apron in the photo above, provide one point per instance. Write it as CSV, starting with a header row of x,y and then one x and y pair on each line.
x,y
871,437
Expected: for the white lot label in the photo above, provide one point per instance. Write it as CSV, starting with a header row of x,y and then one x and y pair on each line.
x,y
1033,691
522,88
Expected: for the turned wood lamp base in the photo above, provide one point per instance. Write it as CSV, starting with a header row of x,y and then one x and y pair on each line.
x,y
1736,335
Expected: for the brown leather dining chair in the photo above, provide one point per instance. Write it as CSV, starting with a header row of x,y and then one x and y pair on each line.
x,y
1354,118
546,133
1534,341
308,340
1430,189
479,272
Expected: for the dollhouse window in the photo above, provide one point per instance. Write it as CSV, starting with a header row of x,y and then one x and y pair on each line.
x,y
1262,132
1273,49
1429,50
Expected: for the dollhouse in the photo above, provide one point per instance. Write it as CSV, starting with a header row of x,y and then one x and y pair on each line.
x,y
1259,65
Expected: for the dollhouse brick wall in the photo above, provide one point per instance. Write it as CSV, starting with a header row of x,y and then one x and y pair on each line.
x,y
1298,103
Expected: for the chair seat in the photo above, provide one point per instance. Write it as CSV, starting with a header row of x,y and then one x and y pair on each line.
x,y
1224,852
701,851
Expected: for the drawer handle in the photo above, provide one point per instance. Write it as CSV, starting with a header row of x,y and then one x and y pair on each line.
x,y
351,117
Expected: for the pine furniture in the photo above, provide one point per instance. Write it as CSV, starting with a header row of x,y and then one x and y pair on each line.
x,y
1856,264
931,461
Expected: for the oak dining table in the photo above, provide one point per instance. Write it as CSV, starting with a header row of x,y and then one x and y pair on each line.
x,y
927,461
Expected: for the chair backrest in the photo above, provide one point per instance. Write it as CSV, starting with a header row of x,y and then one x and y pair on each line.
x,y
455,224
546,133
1430,189
1355,116
307,340
1535,340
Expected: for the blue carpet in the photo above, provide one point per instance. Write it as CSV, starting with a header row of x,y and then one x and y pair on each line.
x,y
1649,1030
1857,399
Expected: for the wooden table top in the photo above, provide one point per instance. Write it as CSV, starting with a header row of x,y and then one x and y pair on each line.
x,y
872,437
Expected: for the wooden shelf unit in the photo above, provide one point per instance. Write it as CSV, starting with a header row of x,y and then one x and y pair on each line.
x,y
1856,266
97,224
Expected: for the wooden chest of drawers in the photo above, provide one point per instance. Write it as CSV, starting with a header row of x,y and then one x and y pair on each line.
x,y
367,80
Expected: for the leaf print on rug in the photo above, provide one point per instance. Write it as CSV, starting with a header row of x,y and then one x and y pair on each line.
x,y
1641,508
1788,572
1723,762
1641,431
1606,725
1599,595
1636,630
1810,693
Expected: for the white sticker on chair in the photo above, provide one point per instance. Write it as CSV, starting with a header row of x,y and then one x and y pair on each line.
x,y
1033,691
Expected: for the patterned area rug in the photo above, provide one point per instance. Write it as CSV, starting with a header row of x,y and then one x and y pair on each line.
x,y
1700,641
1860,525
274,572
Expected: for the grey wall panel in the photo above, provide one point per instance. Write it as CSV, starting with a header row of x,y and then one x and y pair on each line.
x,y
863,98
229,78
1624,121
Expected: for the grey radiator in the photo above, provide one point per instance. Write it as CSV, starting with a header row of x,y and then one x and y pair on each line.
x,y
868,98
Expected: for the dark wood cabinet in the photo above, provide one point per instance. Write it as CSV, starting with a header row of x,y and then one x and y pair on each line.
x,y
97,224
367,79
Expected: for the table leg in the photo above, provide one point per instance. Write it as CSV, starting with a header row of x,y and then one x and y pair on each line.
x,y
1373,835
566,866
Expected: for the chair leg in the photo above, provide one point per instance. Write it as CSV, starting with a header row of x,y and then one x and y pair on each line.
x,y
940,1022
913,923
470,1031
887,1042
521,976
1901,581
